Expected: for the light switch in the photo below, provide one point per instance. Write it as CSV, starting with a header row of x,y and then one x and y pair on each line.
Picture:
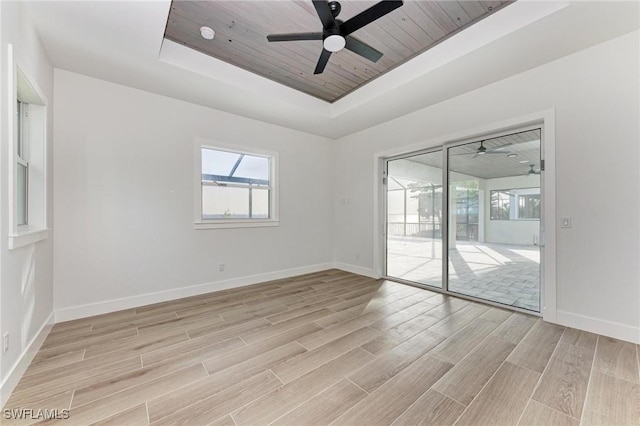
x,y
565,222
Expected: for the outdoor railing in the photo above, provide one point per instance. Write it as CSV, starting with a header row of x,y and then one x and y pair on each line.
x,y
464,231
415,229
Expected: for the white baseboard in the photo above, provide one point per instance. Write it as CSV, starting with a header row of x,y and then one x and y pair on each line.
x,y
83,311
354,269
599,326
17,371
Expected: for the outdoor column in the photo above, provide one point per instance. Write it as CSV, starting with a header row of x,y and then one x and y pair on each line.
x,y
482,214
452,217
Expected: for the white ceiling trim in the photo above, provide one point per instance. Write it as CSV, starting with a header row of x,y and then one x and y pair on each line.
x,y
500,24
191,60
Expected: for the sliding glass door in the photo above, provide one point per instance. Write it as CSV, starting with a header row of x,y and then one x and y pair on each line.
x,y
491,210
414,218
494,219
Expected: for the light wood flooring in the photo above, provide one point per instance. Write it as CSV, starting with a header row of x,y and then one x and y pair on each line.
x,y
329,348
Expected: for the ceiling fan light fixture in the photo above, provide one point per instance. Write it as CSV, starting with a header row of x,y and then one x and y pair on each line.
x,y
334,43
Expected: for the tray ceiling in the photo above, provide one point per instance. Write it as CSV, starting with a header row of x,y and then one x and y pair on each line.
x,y
241,28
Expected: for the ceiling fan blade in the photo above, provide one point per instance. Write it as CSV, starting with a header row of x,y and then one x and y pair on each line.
x,y
322,62
497,152
362,49
499,148
324,13
294,37
365,17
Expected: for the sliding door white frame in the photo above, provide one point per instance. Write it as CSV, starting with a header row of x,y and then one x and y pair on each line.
x,y
544,120
385,162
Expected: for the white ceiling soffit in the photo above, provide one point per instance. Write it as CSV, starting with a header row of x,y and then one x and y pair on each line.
x,y
121,41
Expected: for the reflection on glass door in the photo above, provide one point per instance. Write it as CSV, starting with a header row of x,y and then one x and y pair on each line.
x,y
494,219
414,217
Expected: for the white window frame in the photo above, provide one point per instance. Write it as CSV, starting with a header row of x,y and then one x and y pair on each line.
x,y
200,222
22,156
33,155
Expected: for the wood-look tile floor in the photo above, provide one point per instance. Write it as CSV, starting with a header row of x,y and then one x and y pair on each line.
x,y
329,348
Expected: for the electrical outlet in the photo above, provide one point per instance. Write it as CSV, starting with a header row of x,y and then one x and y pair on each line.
x,y
221,267
5,343
565,222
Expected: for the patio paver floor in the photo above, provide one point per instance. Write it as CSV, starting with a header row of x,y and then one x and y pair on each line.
x,y
503,273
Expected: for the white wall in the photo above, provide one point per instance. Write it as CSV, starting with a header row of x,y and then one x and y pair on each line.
x,y
26,294
124,189
595,94
509,231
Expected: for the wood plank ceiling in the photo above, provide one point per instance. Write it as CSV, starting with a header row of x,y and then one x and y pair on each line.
x,y
241,28
509,155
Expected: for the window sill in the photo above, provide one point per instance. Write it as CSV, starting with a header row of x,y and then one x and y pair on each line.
x,y
236,224
27,238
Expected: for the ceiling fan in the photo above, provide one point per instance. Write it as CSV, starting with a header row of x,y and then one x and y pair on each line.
x,y
532,171
482,150
336,34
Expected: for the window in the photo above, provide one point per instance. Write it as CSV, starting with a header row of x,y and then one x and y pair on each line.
x,y
27,161
22,164
515,204
529,206
236,188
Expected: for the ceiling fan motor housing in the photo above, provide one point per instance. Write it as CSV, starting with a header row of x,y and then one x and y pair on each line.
x,y
335,8
332,38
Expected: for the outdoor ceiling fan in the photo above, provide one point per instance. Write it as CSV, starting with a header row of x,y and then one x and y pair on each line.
x,y
532,171
482,150
336,34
